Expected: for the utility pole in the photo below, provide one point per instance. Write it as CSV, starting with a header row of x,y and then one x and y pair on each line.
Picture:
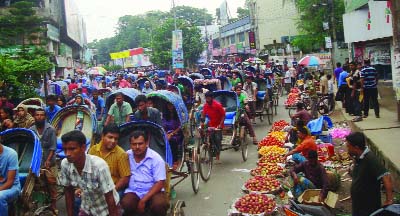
x,y
395,10
331,6
173,8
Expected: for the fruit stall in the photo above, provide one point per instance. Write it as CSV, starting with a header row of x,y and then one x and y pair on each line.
x,y
268,188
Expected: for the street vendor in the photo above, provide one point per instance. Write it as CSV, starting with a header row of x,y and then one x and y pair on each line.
x,y
148,175
307,144
314,176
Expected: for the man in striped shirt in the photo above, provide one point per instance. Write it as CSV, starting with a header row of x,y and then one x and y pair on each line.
x,y
369,81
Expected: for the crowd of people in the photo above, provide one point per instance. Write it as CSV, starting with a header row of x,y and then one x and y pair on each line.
x,y
107,178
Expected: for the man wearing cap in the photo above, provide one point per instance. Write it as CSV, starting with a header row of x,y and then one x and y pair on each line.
x,y
146,89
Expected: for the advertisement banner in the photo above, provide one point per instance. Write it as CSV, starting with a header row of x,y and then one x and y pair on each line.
x,y
177,59
240,48
396,75
252,40
233,49
379,54
328,43
53,33
177,40
120,55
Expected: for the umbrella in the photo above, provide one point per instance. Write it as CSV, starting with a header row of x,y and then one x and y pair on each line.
x,y
255,60
310,61
97,71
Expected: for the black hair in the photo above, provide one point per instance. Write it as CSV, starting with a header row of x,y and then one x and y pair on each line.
x,y
367,61
138,133
328,76
74,136
3,94
356,139
119,94
312,154
40,110
140,98
300,124
111,128
345,68
51,98
302,130
209,94
9,112
338,64
300,105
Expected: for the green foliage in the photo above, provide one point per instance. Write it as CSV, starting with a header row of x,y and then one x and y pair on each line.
x,y
20,25
242,12
312,35
142,31
22,70
193,44
21,74
112,67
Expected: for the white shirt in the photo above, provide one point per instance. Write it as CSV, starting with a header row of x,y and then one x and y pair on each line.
x,y
288,77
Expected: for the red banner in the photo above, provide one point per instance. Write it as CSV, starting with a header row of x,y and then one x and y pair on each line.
x,y
136,51
252,40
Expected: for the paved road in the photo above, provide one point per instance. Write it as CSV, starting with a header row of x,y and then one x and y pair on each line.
x,y
216,196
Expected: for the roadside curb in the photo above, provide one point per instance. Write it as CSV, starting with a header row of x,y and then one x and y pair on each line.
x,y
376,147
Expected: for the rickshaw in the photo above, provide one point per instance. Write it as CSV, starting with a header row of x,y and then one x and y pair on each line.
x,y
158,142
140,81
129,96
74,118
234,135
207,73
188,95
34,199
33,104
195,76
225,83
58,88
210,84
264,103
189,154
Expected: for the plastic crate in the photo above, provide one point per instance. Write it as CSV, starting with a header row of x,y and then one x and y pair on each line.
x,y
325,138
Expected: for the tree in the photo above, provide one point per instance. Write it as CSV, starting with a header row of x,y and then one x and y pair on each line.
x,y
245,10
195,16
20,74
21,25
312,15
141,31
193,43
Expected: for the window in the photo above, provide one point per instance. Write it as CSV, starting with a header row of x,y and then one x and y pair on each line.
x,y
241,37
232,38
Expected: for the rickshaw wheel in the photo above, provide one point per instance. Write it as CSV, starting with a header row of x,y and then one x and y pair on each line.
x,y
205,160
243,142
270,112
276,102
177,209
193,166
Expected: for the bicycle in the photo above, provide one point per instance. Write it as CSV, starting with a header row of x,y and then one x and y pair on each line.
x,y
324,105
205,150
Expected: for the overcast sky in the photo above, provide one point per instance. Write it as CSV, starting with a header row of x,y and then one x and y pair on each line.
x,y
101,16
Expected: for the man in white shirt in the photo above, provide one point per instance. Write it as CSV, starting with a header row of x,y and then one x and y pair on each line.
x,y
288,81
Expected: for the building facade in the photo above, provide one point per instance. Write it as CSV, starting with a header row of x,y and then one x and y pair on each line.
x,y
232,43
274,24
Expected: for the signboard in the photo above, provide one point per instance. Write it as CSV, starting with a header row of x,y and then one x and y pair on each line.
x,y
379,54
177,40
252,40
65,50
396,75
53,33
328,43
177,59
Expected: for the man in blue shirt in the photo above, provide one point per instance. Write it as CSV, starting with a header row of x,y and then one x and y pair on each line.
x,y
99,102
51,108
10,187
146,184
369,82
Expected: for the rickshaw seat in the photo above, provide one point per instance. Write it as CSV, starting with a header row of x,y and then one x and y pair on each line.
x,y
230,118
261,95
